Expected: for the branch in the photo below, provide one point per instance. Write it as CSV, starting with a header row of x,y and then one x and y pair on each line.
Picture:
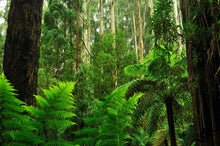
x,y
86,48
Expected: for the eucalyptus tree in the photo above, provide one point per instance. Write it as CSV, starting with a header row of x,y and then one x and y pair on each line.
x,y
141,45
77,33
177,17
101,18
22,47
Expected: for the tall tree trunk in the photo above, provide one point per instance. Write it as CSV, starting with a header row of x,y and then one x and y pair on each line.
x,y
85,35
113,44
141,45
89,31
101,19
177,19
22,47
169,106
135,37
203,54
166,142
77,35
151,5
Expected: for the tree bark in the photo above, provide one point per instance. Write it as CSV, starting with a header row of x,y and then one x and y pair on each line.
x,y
113,43
85,34
141,45
77,35
22,47
169,106
101,20
89,30
203,54
151,5
177,19
135,37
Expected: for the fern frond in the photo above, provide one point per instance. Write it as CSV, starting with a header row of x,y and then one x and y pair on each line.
x,y
136,70
16,128
160,136
139,85
154,115
58,142
53,113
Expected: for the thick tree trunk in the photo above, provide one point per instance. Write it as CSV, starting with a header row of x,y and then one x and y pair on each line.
x,y
203,54
169,106
141,45
22,47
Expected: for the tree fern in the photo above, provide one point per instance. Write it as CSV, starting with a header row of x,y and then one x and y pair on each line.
x,y
15,127
166,84
53,113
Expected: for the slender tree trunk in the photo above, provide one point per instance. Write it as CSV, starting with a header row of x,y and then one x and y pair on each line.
x,y
203,53
144,19
89,31
151,5
141,45
77,35
166,142
113,20
135,37
22,47
169,106
101,20
113,44
177,19
85,35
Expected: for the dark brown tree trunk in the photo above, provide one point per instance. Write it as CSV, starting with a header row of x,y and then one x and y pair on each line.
x,y
203,54
169,105
166,142
22,52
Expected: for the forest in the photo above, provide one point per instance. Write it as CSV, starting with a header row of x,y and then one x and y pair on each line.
x,y
109,73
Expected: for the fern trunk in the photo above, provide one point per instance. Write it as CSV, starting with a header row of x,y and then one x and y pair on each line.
x,y
169,105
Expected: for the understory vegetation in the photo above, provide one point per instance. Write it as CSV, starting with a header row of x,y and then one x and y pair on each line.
x,y
110,73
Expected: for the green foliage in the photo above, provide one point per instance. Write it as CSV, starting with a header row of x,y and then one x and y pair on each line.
x,y
108,123
165,76
141,138
58,31
162,23
89,134
15,127
117,116
104,62
54,113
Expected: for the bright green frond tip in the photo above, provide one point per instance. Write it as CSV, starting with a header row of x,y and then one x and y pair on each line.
x,y
136,70
16,128
54,112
